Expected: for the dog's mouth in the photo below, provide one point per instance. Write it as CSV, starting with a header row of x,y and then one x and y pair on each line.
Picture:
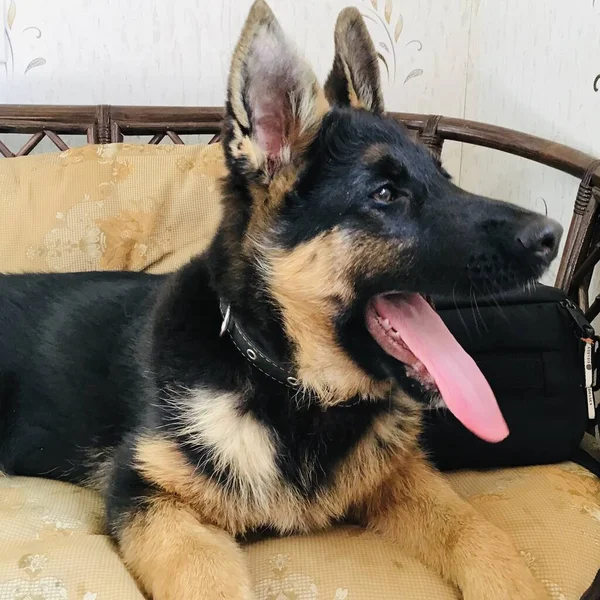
x,y
407,328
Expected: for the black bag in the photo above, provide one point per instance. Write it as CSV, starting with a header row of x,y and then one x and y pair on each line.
x,y
532,347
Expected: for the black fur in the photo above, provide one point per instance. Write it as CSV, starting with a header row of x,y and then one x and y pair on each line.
x,y
67,356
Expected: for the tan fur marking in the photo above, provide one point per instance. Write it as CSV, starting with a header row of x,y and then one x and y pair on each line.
x,y
243,147
237,443
265,202
371,254
353,98
418,509
162,462
282,184
174,556
309,114
413,506
309,283
391,440
375,153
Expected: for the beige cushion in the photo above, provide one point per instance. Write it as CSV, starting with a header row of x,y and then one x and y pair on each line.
x,y
51,547
113,207
552,513
143,207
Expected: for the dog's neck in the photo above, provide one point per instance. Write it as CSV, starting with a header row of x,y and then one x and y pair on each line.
x,y
327,375
283,373
238,287
286,326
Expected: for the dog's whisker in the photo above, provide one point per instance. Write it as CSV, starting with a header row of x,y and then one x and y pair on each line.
x,y
459,313
472,304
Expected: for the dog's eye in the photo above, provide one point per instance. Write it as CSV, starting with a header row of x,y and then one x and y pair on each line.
x,y
383,194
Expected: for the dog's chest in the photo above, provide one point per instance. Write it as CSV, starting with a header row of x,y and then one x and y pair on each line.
x,y
327,465
314,445
266,464
264,444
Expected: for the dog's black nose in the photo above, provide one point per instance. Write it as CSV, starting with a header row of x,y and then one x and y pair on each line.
x,y
541,237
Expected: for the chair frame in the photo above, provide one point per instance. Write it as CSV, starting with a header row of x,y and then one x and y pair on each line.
x,y
105,124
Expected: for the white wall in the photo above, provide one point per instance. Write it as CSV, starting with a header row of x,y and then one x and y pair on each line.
x,y
524,64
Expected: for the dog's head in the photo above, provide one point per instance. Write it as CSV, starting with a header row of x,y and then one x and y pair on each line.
x,y
337,223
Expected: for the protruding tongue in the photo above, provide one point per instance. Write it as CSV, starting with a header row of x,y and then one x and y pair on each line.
x,y
462,385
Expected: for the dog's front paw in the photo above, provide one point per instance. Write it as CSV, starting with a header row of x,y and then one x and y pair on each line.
x,y
512,584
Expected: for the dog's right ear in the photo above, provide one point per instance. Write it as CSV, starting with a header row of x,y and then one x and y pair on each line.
x,y
354,79
274,104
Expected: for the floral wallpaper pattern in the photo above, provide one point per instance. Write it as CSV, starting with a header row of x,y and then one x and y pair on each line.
x,y
390,24
9,33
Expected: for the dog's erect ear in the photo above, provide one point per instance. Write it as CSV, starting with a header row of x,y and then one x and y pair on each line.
x,y
354,79
275,105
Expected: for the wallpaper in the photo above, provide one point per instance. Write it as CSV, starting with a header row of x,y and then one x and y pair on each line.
x,y
522,64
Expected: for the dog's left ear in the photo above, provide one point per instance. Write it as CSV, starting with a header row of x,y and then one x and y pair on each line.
x,y
275,104
354,79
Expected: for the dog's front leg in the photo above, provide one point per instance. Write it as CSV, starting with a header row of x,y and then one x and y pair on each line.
x,y
176,557
417,509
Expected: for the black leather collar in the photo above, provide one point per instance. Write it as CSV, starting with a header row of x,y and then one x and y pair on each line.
x,y
251,352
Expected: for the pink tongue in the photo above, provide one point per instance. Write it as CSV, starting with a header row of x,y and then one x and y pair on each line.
x,y
462,385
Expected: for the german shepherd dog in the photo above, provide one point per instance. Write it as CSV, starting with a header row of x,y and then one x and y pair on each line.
x,y
276,382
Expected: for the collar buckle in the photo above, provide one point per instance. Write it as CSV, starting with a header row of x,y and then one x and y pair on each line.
x,y
226,321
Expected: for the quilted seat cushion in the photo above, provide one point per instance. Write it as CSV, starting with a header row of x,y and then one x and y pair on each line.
x,y
52,547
